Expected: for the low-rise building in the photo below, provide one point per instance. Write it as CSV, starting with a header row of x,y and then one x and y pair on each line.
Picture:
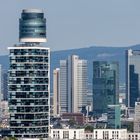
x,y
133,136
77,117
97,134
110,134
89,136
67,134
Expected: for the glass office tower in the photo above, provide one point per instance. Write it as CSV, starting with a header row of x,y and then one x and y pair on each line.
x,y
29,76
132,77
32,26
105,85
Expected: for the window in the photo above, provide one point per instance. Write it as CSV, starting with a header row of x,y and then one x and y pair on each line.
x,y
65,134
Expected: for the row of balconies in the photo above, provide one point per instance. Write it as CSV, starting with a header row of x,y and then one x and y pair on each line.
x,y
28,59
28,52
28,87
29,66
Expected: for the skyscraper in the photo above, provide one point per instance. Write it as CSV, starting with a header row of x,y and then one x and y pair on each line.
x,y
29,76
73,84
105,85
56,96
132,77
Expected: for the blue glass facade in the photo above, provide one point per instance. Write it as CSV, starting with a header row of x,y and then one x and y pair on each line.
x,y
32,25
132,77
134,86
105,85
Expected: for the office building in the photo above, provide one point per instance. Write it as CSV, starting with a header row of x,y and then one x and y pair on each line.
x,y
105,85
73,84
132,77
114,116
29,78
56,96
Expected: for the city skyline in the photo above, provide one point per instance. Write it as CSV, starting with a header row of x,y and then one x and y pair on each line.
x,y
77,24
60,96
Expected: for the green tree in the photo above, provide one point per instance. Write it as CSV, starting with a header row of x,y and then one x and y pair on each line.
x,y
89,128
71,122
5,138
130,127
13,138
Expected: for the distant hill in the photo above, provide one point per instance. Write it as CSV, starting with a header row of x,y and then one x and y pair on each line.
x,y
91,54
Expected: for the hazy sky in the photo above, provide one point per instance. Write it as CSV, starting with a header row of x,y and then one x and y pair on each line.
x,y
76,23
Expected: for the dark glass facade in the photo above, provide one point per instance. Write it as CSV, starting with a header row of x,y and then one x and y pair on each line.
x,y
134,86
5,83
105,85
132,77
29,92
32,24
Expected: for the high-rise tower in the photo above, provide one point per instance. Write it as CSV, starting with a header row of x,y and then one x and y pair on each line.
x,y
56,96
29,78
73,84
132,77
105,85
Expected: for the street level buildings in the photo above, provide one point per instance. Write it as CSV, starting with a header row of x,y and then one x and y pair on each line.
x,y
97,134
67,133
29,78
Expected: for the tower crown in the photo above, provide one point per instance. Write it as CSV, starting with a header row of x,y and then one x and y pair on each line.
x,y
32,26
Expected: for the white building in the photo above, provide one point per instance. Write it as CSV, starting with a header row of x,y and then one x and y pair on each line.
x,y
137,118
137,111
97,134
107,134
56,96
133,136
5,109
89,136
73,84
67,134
